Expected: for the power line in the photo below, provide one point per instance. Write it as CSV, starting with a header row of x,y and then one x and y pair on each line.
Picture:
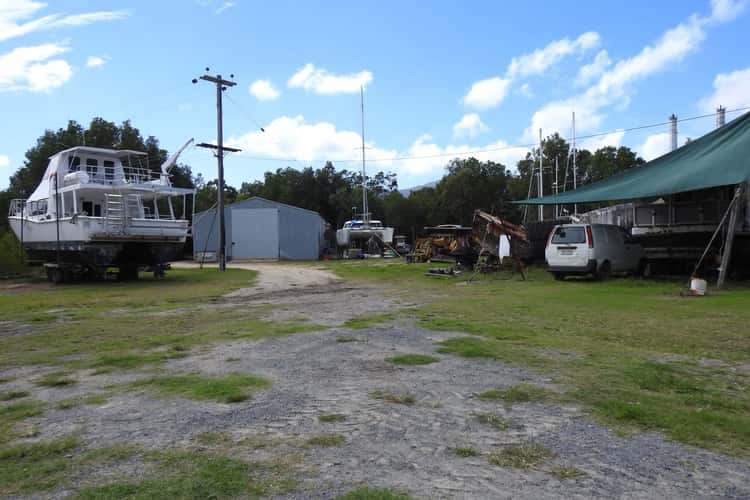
x,y
496,149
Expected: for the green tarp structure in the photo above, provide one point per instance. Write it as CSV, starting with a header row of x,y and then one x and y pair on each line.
x,y
719,158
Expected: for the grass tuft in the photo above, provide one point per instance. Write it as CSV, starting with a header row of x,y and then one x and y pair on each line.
x,y
394,397
326,440
332,417
465,452
7,396
493,420
368,493
521,393
412,359
34,467
566,472
232,388
522,456
57,379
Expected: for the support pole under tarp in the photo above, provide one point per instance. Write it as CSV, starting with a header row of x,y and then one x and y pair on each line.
x,y
726,257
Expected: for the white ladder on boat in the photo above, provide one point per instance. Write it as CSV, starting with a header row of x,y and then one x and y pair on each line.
x,y
114,214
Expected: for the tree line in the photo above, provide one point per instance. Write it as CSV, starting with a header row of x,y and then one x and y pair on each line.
x,y
467,184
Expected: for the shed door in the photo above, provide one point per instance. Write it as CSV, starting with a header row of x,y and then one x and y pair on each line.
x,y
255,233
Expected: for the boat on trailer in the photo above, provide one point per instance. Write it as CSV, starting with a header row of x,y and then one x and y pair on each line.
x,y
99,208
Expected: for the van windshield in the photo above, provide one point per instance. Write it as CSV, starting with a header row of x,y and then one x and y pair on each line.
x,y
569,235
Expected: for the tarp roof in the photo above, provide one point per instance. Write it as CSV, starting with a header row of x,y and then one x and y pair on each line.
x,y
719,158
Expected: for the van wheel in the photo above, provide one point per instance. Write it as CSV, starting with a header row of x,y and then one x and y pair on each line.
x,y
604,271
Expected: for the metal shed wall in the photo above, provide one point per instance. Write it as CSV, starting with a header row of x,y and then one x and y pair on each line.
x,y
300,234
206,234
297,233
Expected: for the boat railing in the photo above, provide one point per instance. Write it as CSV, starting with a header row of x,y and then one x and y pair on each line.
x,y
128,175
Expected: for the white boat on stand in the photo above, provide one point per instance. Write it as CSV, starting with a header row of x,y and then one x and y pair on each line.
x,y
364,234
97,208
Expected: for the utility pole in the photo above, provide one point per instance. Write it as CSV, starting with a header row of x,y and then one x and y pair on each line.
x,y
541,182
221,85
575,153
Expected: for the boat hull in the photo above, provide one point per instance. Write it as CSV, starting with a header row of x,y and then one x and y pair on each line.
x,y
346,237
86,241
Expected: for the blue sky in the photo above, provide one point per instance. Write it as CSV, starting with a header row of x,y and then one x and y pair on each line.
x,y
442,79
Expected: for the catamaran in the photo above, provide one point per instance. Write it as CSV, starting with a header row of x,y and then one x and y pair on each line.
x,y
363,232
97,208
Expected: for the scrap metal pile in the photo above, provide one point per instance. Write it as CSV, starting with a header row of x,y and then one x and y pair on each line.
x,y
478,246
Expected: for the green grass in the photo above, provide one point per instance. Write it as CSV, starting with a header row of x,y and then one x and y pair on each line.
x,y
412,359
493,420
34,467
7,396
15,413
403,398
58,379
521,393
522,456
566,472
190,475
605,344
332,417
344,340
115,326
232,388
326,440
368,493
465,452
368,321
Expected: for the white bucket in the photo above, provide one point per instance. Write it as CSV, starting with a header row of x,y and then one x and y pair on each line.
x,y
698,286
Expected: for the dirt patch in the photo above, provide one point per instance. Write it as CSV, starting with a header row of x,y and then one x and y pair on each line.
x,y
14,329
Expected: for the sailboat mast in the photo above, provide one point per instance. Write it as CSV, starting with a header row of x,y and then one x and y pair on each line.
x,y
365,214
575,183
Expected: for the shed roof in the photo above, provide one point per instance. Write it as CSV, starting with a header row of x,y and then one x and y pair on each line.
x,y
248,201
719,158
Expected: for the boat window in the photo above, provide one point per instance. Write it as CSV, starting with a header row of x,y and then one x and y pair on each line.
x,y
74,164
92,166
109,170
88,207
97,210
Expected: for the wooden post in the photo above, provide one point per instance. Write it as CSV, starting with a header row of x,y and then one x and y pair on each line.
x,y
727,255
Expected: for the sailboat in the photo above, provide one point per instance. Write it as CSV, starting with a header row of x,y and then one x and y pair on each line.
x,y
96,208
363,231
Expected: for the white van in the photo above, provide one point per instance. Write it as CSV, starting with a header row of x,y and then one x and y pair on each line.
x,y
597,249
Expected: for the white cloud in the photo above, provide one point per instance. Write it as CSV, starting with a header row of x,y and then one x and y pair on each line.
x,y
263,90
655,146
540,60
320,81
614,86
14,15
30,68
291,138
594,69
486,94
727,10
185,106
525,90
95,61
4,161
225,6
731,90
470,125
594,143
